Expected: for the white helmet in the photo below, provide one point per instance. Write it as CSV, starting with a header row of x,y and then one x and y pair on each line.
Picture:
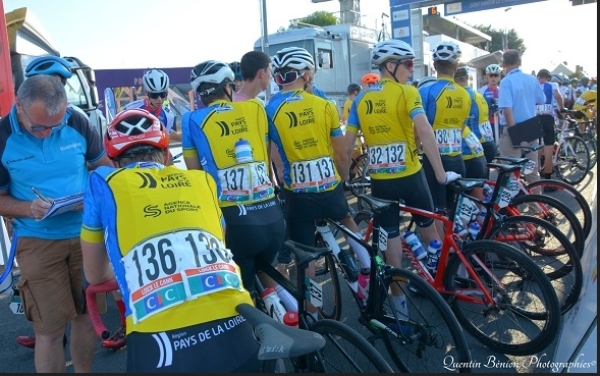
x,y
391,49
211,72
294,58
493,69
155,81
447,50
426,81
557,78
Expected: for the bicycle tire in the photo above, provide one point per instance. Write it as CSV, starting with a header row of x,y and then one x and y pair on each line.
x,y
582,163
592,144
568,273
447,340
568,195
330,329
521,265
577,238
327,270
361,160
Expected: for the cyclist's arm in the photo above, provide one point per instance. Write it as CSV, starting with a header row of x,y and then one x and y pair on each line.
x,y
559,99
425,134
340,156
509,116
352,127
277,162
95,262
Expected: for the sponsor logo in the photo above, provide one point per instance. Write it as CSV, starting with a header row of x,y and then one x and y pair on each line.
x,y
164,347
152,211
148,180
72,146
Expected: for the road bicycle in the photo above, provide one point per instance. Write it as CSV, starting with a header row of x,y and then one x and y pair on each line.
x,y
588,134
498,294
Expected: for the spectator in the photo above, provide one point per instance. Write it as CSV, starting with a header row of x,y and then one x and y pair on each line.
x,y
353,90
57,143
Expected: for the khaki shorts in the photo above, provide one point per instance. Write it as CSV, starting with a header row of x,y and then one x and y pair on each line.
x,y
51,285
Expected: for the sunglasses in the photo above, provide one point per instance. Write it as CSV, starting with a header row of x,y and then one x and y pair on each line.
x,y
158,95
287,77
493,75
408,63
39,128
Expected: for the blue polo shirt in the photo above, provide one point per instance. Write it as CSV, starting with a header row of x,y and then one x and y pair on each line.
x,y
520,92
55,166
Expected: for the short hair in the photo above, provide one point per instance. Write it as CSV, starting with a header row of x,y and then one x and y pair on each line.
x,y
46,89
141,153
219,92
252,62
445,67
462,74
511,57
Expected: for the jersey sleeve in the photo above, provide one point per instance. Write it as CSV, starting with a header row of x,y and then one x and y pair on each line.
x,y
94,149
187,144
91,229
353,122
332,114
413,102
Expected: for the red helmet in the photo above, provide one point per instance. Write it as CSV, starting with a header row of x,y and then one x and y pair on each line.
x,y
370,78
134,127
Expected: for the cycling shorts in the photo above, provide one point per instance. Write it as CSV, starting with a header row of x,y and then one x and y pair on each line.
x,y
413,190
489,150
441,195
303,209
476,168
548,128
224,345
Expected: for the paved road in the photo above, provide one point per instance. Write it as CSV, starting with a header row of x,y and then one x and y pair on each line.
x,y
14,358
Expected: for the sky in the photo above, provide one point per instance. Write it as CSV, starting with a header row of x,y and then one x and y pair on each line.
x,y
181,33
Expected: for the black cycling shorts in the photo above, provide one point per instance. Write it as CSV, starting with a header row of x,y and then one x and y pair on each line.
x,y
441,195
476,168
225,345
490,150
413,190
548,128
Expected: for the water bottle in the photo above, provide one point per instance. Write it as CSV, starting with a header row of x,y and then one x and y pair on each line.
x,y
363,283
487,193
415,245
459,228
433,252
474,229
291,319
288,301
243,151
274,307
481,215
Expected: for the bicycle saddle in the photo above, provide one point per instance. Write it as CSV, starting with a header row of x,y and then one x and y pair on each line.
x,y
378,204
278,341
504,168
305,253
466,184
529,147
519,161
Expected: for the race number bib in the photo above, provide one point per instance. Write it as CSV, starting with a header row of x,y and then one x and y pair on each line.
x,y
313,176
448,140
474,144
528,167
387,159
468,210
245,182
487,133
509,191
171,268
544,109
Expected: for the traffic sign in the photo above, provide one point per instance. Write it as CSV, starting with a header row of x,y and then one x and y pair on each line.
x,y
466,6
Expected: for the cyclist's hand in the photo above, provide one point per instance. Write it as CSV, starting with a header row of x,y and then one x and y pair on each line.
x,y
451,176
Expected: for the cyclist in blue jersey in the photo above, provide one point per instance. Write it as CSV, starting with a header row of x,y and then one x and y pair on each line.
x,y
548,115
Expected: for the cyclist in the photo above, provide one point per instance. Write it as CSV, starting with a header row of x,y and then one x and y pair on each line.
x,y
369,80
491,93
156,86
353,90
426,81
306,130
447,106
548,115
393,110
256,73
237,74
567,93
584,85
174,324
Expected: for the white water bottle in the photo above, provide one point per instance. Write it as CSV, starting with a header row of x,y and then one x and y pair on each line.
x,y
274,307
474,229
288,301
481,215
433,252
415,245
487,192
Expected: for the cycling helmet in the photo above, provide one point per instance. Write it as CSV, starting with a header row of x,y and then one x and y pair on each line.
x,y
574,80
391,49
237,70
493,69
155,81
370,78
353,87
49,65
585,80
293,58
448,51
566,80
211,72
134,127
557,78
426,81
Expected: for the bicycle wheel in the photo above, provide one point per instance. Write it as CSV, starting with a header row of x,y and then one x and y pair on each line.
x,y
526,316
573,160
592,144
554,212
549,249
326,274
345,351
360,165
429,336
568,195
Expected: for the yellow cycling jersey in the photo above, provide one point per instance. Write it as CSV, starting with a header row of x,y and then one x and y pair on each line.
x,y
164,235
231,141
346,110
447,106
384,113
301,125
485,127
585,101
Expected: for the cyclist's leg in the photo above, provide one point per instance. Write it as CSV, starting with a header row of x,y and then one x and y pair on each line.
x,y
437,191
548,139
476,168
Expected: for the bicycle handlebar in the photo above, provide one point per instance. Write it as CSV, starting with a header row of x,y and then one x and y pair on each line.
x,y
92,305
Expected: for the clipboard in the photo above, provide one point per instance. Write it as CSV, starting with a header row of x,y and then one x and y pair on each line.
x,y
526,131
63,205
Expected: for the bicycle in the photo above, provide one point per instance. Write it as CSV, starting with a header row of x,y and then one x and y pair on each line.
x,y
416,342
588,135
494,287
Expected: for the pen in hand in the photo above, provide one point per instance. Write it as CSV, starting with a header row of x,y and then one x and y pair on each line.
x,y
40,196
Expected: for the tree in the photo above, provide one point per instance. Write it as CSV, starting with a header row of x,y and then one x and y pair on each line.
x,y
496,44
320,18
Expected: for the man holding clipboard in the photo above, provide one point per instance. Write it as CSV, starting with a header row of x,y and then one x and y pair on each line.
x,y
519,94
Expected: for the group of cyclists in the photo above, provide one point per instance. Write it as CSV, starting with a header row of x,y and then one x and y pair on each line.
x,y
183,244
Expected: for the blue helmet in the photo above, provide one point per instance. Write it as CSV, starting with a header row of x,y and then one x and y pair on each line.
x,y
237,70
49,65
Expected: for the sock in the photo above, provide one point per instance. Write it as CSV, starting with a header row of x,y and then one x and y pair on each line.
x,y
360,251
121,308
401,307
548,176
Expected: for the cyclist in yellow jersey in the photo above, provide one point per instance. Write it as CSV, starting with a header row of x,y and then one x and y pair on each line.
x,y
390,115
230,141
447,107
158,231
353,90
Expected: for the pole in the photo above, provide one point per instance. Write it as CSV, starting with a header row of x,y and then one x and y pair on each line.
x,y
265,39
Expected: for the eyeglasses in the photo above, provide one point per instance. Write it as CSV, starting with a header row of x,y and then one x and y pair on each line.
x,y
287,77
39,128
158,95
408,63
493,75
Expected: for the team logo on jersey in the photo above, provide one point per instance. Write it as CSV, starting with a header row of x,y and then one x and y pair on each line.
x,y
293,98
164,347
223,108
148,180
224,128
293,119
